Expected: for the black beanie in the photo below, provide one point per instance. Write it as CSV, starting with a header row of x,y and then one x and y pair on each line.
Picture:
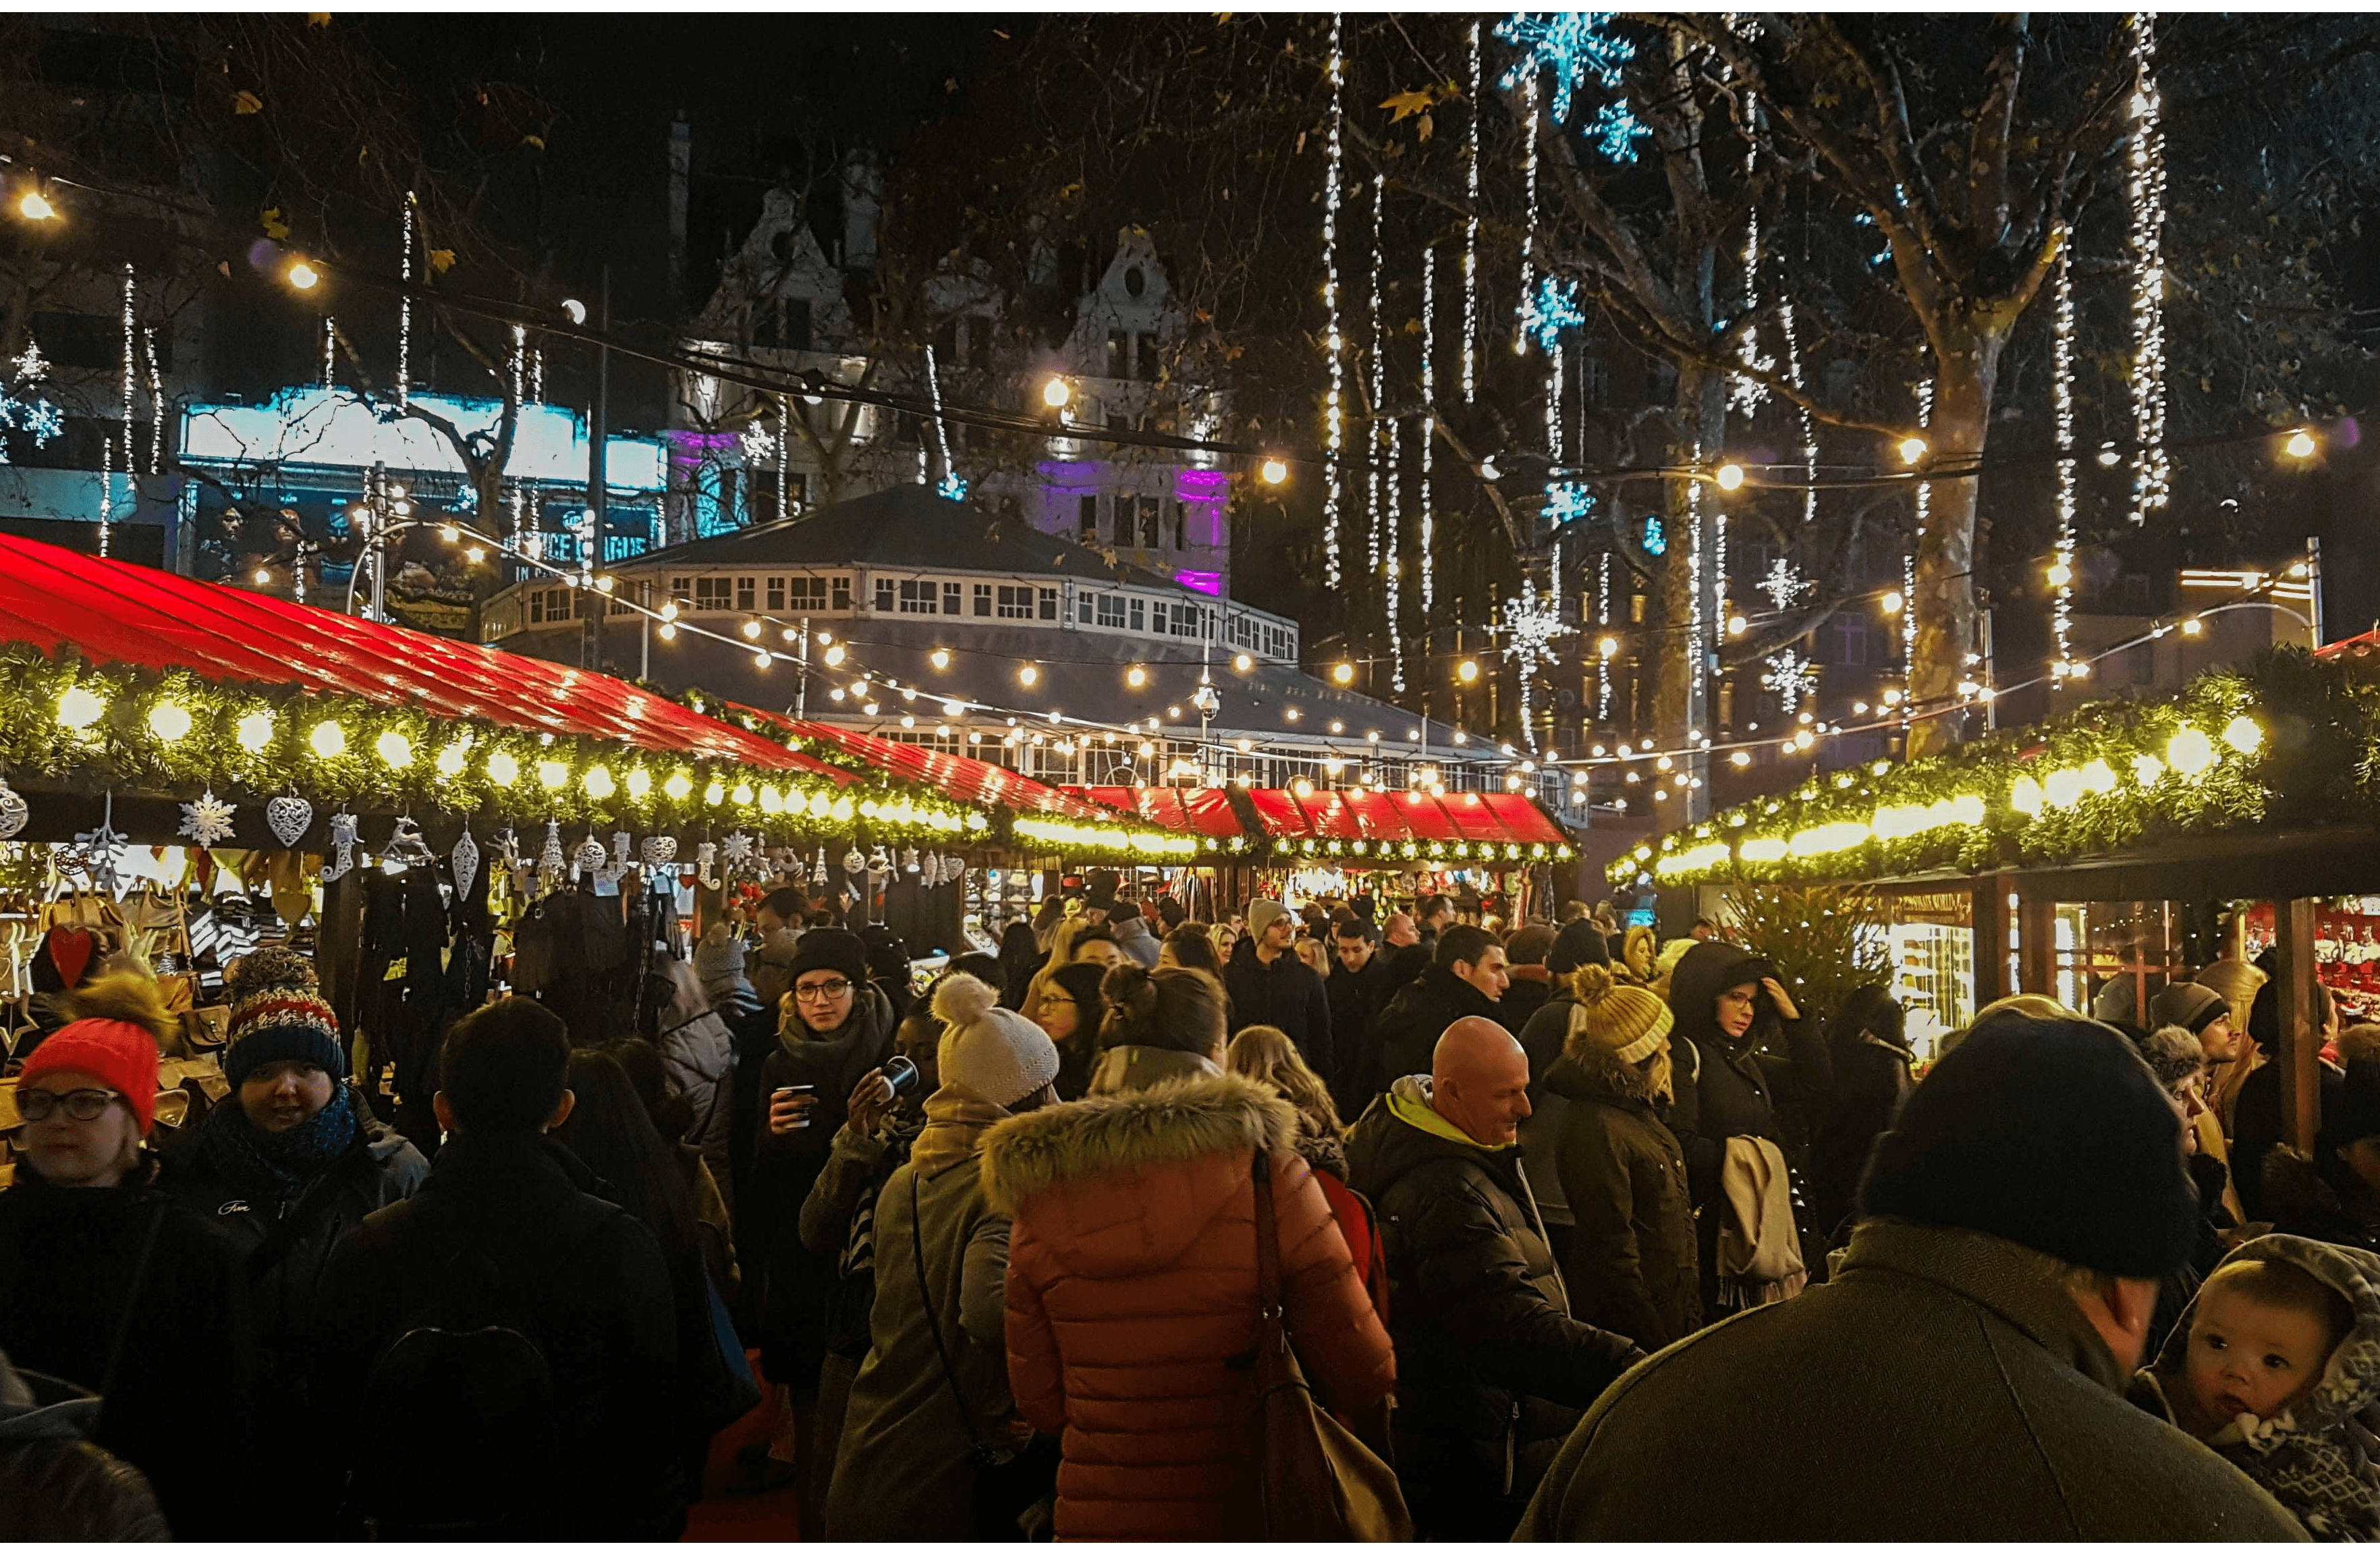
x,y
2052,1134
829,950
1577,944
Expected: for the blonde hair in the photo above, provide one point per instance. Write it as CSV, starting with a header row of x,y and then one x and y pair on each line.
x,y
1266,1052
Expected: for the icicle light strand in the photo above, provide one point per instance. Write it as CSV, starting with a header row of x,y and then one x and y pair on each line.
x,y
1334,416
156,404
330,354
2062,402
404,311
2145,188
1528,232
1470,251
1428,429
1375,426
1603,619
784,450
1909,569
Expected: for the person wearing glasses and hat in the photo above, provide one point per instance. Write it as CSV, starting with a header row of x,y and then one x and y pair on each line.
x,y
106,1282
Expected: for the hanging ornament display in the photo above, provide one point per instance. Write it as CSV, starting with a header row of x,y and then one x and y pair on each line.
x,y
1334,410
657,851
14,812
207,820
706,864
551,858
795,875
736,847
955,868
465,861
855,862
909,862
286,817
817,867
343,847
878,862
99,852
2144,191
589,856
930,874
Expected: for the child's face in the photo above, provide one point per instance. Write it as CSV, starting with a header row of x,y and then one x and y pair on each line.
x,y
2249,1358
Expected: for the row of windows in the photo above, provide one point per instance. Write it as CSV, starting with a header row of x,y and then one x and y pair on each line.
x,y
1269,638
1003,601
1131,612
1149,523
748,594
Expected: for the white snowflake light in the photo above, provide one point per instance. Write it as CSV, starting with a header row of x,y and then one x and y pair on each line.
x,y
759,443
1551,310
1782,584
1792,676
207,820
1568,501
1334,413
1577,47
1531,624
31,367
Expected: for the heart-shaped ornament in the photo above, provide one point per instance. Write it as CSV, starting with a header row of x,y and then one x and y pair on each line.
x,y
288,817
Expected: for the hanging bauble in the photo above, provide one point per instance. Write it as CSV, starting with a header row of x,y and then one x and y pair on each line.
x,y
855,862
954,868
931,875
657,851
464,860
287,817
910,861
13,810
589,856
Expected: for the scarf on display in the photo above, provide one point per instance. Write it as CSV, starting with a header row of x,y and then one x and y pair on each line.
x,y
274,1168
956,1121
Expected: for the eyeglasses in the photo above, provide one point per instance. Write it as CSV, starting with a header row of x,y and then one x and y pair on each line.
x,y
821,994
1051,1001
82,1106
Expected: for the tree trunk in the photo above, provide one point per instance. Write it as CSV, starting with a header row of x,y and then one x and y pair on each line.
x,y
1967,376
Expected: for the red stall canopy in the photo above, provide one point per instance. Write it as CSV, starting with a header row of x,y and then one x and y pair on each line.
x,y
1204,812
112,611
963,778
1374,815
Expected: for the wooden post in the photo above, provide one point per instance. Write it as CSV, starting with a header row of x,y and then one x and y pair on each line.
x,y
1988,915
2036,949
2300,1020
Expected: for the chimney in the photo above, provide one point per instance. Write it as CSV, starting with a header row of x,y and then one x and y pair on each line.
x,y
863,200
681,169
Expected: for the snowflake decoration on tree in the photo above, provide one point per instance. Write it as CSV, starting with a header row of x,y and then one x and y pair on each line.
x,y
1656,537
38,418
735,847
1746,395
1782,584
1551,309
952,487
1531,624
1792,678
759,443
31,366
1566,501
1577,47
207,820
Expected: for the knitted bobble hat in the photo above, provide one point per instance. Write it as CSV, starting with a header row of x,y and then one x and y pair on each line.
x,y
279,1013
116,1028
1612,1019
997,1054
2192,1006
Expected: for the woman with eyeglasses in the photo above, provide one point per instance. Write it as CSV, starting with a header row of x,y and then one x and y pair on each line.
x,y
1071,1009
108,1284
833,1030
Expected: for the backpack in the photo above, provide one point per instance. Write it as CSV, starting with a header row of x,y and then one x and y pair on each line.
x,y
463,1402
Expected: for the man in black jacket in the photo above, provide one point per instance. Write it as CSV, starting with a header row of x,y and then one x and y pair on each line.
x,y
1360,987
1465,977
507,1230
1492,1371
1269,986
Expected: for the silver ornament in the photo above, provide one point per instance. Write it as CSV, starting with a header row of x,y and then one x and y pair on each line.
x,y
465,860
13,810
855,862
589,856
910,861
287,817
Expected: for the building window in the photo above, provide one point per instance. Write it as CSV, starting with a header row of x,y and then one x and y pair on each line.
x,y
917,596
1136,616
1151,514
1049,604
744,593
1125,509
1015,602
1185,621
1119,350
2143,660
802,593
1144,357
950,599
1851,640
1181,525
983,599
843,593
776,593
1112,610
885,595
1090,524
713,593
678,586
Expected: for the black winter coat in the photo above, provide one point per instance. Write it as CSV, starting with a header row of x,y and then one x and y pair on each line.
x,y
2257,1127
1633,1267
1408,1030
1493,1368
56,1487
603,1302
1872,1080
1286,995
1524,997
178,1411
1356,1001
1729,1093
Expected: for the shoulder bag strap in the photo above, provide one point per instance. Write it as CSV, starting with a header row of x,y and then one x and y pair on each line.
x,y
1275,1336
934,1324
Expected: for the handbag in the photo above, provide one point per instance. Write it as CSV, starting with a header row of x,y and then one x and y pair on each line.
x,y
1317,1481
1009,1482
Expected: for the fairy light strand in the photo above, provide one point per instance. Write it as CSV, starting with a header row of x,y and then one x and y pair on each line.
x,y
156,404
1377,353
1469,257
405,310
1427,427
1334,415
2145,189
1908,570
1528,232
2062,401
784,449
950,486
1603,620
330,354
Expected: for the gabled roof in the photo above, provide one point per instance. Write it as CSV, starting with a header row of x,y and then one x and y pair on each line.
x,y
905,527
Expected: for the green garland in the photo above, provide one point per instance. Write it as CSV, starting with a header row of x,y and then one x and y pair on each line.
x,y
111,726
2287,738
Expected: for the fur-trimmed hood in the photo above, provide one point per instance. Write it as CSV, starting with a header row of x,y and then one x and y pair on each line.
x,y
1129,1180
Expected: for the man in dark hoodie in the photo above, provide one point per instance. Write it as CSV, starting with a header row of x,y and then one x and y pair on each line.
x,y
1492,1370
1465,977
1359,987
1729,1006
1269,986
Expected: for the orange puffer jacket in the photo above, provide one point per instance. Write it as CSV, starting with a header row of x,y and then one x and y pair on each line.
x,y
1132,1299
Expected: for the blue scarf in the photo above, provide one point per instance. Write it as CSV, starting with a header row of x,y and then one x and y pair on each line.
x,y
274,1168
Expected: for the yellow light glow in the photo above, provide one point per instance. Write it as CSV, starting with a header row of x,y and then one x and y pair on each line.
x,y
641,784
678,787
2192,627
451,759
328,739
834,657
1913,449
2064,788
1056,393
2242,736
1136,678
940,658
553,774
773,802
2098,777
752,630
1344,672
822,805
1028,676
1833,837
79,708
304,276
394,748
1740,759
169,721
2026,797
34,208
255,732
843,809
1736,625
2301,445
2060,575
503,770
742,794
1729,476
669,609
2190,752
1242,662
1273,471
715,793
1763,850
2148,770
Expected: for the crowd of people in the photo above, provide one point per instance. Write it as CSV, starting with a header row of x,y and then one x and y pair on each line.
x,y
1584,1234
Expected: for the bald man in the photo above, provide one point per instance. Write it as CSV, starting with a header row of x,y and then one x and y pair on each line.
x,y
1492,1371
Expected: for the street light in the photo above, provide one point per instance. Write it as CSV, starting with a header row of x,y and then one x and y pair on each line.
x,y
1893,602
33,207
1056,393
1736,625
1344,672
1136,678
1729,476
1242,662
2301,445
1467,671
1608,648
1913,449
1273,471
303,275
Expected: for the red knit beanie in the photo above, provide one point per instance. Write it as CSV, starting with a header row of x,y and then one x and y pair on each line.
x,y
117,1051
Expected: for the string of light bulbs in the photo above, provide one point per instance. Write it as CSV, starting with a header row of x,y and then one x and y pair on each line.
x,y
1375,360
2061,570
2144,187
1334,407
950,485
405,308
1470,240
1427,427
1528,232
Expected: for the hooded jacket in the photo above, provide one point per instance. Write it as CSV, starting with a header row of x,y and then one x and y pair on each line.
x,y
1287,994
1132,936
1492,1367
1725,1092
2318,1457
55,1486
1407,1032
1943,1385
1132,1299
179,1408
1632,1268
698,1060
903,1466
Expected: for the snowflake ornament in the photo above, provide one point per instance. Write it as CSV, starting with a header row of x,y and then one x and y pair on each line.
x,y
207,820
30,365
1531,624
1568,501
1551,310
1745,395
759,444
735,847
1783,585
1792,676
1578,46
